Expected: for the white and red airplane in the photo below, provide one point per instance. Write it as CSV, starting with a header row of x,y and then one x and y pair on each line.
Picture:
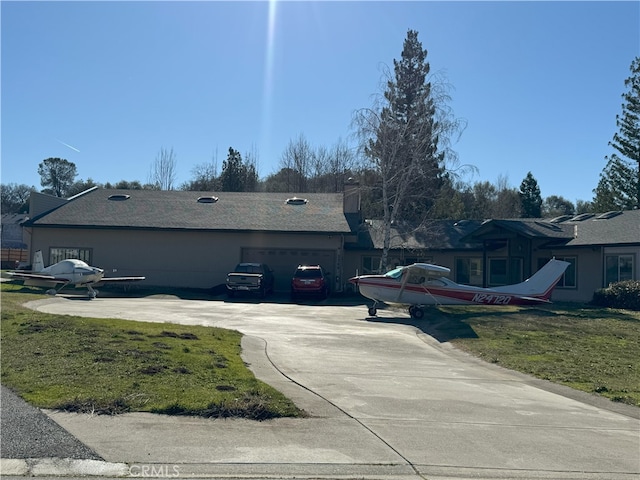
x,y
423,284
67,272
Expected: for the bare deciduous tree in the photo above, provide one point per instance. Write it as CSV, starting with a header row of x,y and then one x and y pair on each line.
x,y
296,159
163,170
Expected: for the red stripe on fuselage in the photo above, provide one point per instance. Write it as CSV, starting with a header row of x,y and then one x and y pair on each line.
x,y
471,296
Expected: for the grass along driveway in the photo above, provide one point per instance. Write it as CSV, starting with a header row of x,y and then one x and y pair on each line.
x,y
595,350
114,366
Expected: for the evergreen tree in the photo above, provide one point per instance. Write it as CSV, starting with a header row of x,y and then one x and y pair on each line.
x,y
619,184
14,198
555,205
57,175
232,176
237,176
401,140
530,197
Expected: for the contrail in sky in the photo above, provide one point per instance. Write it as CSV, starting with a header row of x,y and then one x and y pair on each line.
x,y
67,145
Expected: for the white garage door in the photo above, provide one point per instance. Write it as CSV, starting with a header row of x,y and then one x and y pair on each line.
x,y
284,261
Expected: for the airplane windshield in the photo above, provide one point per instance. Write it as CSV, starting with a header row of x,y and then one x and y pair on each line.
x,y
395,273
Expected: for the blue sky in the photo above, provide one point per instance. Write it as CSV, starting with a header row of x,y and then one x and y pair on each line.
x,y
106,85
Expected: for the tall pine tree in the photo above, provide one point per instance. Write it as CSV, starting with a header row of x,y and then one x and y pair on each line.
x,y
530,198
401,139
619,184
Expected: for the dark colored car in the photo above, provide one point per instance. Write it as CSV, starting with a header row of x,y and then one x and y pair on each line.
x,y
309,280
250,277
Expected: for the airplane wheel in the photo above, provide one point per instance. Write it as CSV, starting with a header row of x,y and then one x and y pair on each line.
x,y
372,311
52,292
93,294
416,312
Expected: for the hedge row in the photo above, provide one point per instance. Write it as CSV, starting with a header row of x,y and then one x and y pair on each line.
x,y
619,295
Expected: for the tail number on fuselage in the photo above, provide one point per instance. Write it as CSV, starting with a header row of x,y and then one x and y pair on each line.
x,y
491,299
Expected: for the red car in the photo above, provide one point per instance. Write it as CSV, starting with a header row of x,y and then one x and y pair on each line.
x,y
310,280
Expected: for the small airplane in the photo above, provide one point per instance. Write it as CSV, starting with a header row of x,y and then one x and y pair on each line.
x,y
422,284
67,272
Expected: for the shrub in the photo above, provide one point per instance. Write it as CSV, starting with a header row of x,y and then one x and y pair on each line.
x,y
619,295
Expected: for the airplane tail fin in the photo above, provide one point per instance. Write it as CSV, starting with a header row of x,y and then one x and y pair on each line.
x,y
541,283
38,262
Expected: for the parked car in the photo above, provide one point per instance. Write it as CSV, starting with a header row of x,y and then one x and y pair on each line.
x,y
309,280
250,277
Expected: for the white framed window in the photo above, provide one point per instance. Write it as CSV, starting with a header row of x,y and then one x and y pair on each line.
x,y
370,265
57,254
469,270
569,278
618,268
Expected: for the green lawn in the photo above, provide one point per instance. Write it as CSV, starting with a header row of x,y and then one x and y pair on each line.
x,y
113,366
596,350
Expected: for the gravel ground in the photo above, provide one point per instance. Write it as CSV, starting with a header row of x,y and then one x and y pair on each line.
x,y
29,433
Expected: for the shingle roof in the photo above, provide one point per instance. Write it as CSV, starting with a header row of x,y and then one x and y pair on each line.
x,y
233,211
613,228
435,235
526,227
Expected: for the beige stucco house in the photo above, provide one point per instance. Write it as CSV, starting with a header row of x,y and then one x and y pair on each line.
x,y
193,239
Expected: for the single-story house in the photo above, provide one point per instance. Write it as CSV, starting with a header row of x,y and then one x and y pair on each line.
x,y
14,250
601,248
193,239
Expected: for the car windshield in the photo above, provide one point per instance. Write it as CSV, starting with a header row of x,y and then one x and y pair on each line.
x,y
308,273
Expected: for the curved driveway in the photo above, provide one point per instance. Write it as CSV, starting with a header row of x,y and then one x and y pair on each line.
x,y
384,399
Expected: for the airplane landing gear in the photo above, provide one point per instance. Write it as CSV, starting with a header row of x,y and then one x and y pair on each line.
x,y
416,312
372,311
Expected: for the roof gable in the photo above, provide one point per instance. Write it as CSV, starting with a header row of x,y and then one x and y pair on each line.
x,y
435,235
612,228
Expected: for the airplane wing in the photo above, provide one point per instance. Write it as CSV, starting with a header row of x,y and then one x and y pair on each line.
x,y
428,269
37,276
120,279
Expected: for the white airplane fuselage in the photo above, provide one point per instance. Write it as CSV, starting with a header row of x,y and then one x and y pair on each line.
x,y
75,272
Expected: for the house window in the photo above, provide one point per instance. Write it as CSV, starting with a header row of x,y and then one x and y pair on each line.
x,y
412,260
469,271
498,271
569,278
370,265
58,254
618,268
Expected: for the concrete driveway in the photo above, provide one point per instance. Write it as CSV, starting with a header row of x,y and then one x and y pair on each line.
x,y
385,400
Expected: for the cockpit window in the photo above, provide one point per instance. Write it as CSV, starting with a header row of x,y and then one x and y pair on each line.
x,y
395,273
